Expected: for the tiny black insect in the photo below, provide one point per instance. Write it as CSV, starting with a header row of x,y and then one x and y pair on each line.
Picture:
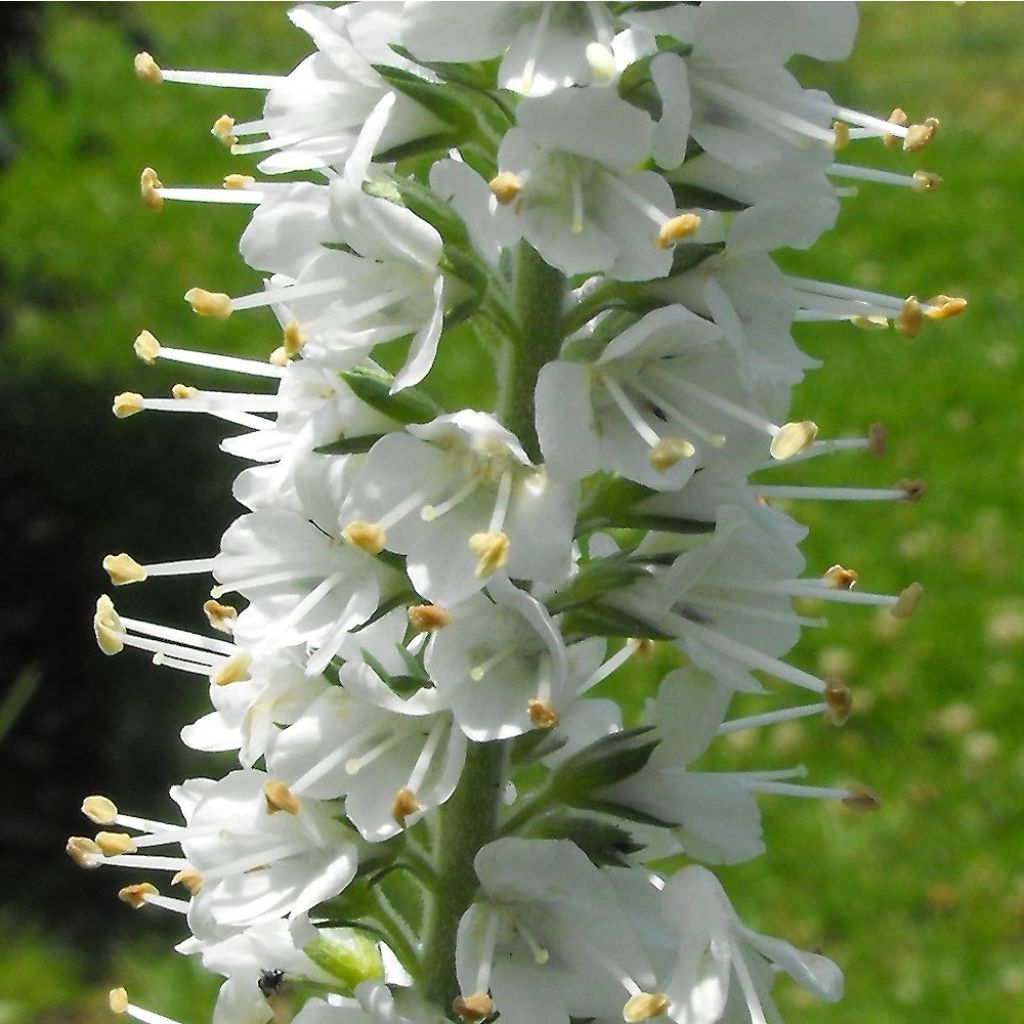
x,y
270,982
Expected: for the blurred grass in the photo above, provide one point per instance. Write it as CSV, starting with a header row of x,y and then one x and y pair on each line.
x,y
923,902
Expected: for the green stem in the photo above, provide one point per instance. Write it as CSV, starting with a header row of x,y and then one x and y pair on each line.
x,y
540,294
468,822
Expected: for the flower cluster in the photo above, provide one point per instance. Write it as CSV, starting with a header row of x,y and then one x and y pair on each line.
x,y
438,807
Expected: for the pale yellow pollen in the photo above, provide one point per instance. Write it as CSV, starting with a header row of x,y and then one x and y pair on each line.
x,y
898,116
925,181
118,1000
279,798
877,440
906,604
506,187
837,577
404,804
839,702
190,878
122,570
220,616
293,341
238,181
234,670
942,307
920,135
669,451
542,713
841,135
912,489
135,895
425,618
644,1006
793,438
148,185
602,63
214,304
369,537
870,323
473,1008
113,844
99,809
223,130
491,550
83,851
126,404
861,798
908,322
675,229
183,392
146,347
643,648
146,68
107,628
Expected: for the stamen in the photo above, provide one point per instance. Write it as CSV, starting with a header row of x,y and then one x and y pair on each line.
x,y
792,438
369,537
644,1006
839,578
542,713
675,229
839,702
83,851
526,82
239,181
146,68
602,64
190,879
897,117
426,755
223,130
234,670
220,616
576,227
354,765
107,627
149,183
126,404
925,181
669,451
632,415
860,798
404,805
714,440
506,187
500,510
477,672
841,133
279,798
491,551
99,809
473,1009
920,135
122,570
212,304
292,342
942,307
905,490
136,895
115,844
540,955
772,717
907,602
616,661
426,618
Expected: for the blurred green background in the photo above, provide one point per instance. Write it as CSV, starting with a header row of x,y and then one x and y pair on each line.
x,y
922,903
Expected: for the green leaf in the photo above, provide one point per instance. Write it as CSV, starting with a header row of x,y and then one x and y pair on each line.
x,y
372,386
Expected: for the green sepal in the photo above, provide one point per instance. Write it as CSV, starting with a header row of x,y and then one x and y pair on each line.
x,y
685,257
686,196
481,74
445,102
626,812
593,581
602,619
425,145
602,763
372,386
348,955
610,501
606,844
531,746
403,686
349,445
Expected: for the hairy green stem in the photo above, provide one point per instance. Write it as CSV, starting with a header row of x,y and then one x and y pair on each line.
x,y
468,822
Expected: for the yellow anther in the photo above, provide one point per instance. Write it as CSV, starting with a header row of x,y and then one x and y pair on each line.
x,y
126,404
215,304
644,1006
99,809
473,1008
183,392
404,804
870,323
220,616
877,438
425,618
223,130
107,627
839,702
920,135
135,895
898,116
908,322
793,438
840,135
643,648
113,844
506,187
146,347
234,670
279,798
906,604
668,451
122,570
912,489
602,63
542,713
837,577
369,537
293,339
860,798
83,851
146,68
237,181
148,185
190,879
675,229
491,550
118,1000
942,307
925,181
